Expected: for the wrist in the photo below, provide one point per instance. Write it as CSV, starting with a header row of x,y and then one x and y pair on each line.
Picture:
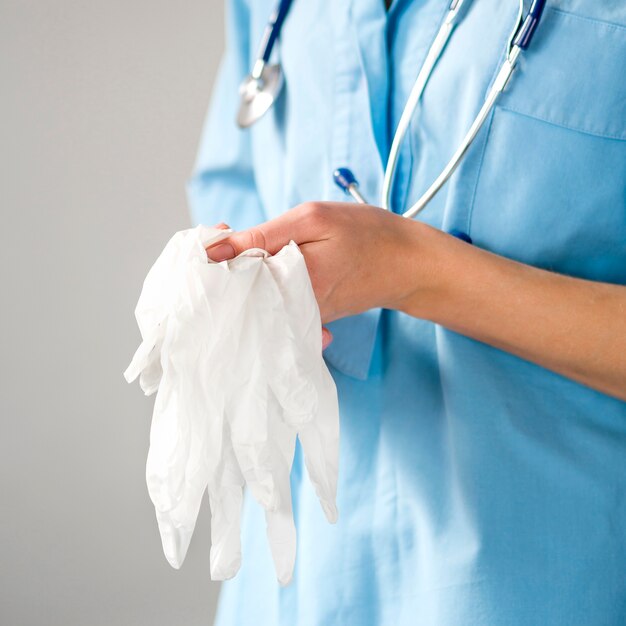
x,y
427,263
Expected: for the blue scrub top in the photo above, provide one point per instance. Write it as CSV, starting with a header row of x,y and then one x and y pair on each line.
x,y
475,488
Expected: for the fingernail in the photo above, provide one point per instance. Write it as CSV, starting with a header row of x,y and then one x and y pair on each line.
x,y
221,252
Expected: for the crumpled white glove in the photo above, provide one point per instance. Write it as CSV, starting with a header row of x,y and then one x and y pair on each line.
x,y
233,350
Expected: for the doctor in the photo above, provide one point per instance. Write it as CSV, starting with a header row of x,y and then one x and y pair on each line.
x,y
481,385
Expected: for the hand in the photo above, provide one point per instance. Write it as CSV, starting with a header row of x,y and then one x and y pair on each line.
x,y
355,254
361,257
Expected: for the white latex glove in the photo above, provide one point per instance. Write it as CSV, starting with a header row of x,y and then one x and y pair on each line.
x,y
235,351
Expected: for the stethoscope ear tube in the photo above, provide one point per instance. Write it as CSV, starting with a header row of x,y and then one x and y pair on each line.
x,y
499,84
435,51
519,39
272,30
261,87
527,30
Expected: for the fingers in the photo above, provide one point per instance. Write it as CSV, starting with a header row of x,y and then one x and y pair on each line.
x,y
327,337
221,254
307,222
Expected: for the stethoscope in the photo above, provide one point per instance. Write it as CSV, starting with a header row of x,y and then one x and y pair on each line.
x,y
261,88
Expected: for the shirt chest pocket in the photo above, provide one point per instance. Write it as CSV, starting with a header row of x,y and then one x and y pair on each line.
x,y
551,189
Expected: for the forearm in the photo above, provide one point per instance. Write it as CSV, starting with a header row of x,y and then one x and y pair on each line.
x,y
571,326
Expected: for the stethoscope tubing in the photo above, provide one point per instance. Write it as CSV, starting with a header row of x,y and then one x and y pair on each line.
x,y
498,86
519,40
272,30
435,51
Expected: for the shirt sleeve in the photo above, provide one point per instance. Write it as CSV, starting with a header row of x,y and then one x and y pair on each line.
x,y
222,186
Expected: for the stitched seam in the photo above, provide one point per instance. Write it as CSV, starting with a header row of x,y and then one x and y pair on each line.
x,y
591,20
560,124
341,105
470,213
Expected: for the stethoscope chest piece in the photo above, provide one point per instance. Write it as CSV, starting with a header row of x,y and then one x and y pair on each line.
x,y
258,93
261,87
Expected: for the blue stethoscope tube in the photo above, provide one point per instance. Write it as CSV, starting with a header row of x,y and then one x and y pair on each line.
x,y
272,30
528,27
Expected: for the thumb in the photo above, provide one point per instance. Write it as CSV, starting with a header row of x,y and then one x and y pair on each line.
x,y
303,224
230,247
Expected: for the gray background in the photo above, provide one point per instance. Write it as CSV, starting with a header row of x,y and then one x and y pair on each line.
x,y
101,107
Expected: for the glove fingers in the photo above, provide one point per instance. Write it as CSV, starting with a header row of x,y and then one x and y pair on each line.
x,y
264,446
170,432
256,462
281,536
291,381
225,498
176,526
152,373
225,556
248,417
320,446
167,455
281,533
146,361
139,361
320,435
291,363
